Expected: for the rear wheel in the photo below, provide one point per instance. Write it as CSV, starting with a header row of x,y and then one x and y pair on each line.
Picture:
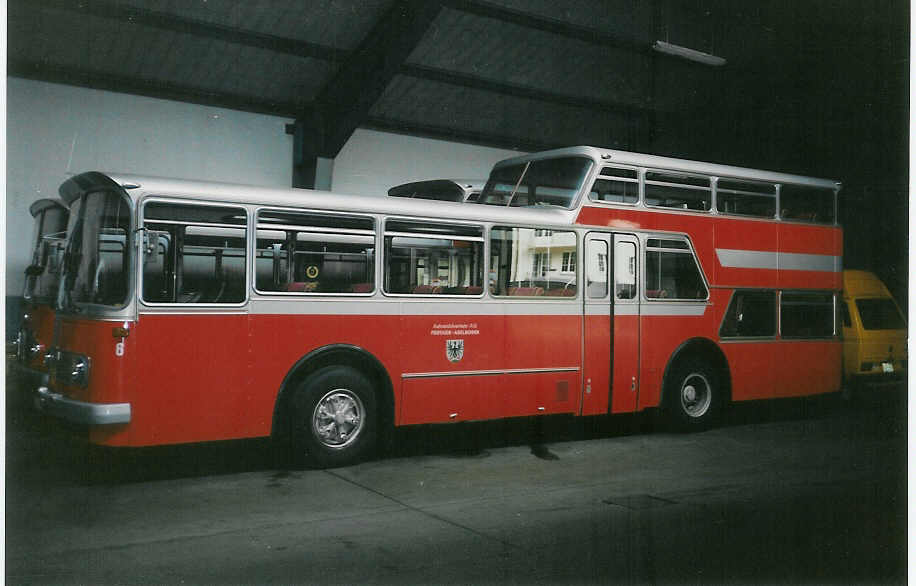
x,y
334,418
693,395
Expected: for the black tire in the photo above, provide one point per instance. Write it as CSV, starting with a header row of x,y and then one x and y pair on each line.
x,y
334,418
694,394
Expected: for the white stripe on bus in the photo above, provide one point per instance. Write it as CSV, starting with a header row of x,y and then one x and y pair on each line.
x,y
792,261
372,306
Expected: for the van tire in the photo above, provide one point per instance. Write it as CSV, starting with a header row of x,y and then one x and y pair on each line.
x,y
333,418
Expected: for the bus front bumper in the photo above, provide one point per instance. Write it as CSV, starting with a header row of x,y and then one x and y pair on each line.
x,y
82,412
29,376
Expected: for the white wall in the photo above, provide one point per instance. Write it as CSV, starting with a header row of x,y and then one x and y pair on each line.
x,y
55,129
372,161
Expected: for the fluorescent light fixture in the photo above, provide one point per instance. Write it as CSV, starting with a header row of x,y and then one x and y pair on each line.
x,y
689,54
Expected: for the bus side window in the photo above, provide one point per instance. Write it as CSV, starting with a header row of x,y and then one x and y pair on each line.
x,y
806,314
308,252
625,270
197,256
433,259
801,203
750,314
533,262
672,271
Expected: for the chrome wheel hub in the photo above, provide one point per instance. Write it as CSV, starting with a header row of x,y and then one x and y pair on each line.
x,y
338,418
696,395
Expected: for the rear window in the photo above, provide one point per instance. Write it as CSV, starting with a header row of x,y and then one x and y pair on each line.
x,y
880,314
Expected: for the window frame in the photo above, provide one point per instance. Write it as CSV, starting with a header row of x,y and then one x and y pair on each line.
x,y
578,240
776,317
720,211
254,249
834,313
382,253
646,237
639,181
645,182
141,256
804,186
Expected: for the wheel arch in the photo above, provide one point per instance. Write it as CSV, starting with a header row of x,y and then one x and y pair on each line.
x,y
704,349
334,354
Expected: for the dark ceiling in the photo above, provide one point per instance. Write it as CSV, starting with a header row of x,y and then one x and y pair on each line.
x,y
816,87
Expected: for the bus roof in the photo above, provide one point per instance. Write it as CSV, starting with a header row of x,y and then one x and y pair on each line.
x,y
138,187
611,156
45,203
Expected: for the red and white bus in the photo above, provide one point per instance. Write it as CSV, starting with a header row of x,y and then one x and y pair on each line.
x,y
601,282
41,281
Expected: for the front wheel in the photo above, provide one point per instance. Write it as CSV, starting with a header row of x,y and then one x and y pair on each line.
x,y
333,418
693,395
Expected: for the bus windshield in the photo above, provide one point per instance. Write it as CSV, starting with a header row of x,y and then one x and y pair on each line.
x,y
48,240
552,182
96,261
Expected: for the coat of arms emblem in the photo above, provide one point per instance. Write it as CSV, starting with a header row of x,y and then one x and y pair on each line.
x,y
454,350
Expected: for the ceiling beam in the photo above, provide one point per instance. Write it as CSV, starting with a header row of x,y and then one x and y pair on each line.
x,y
343,105
344,102
519,91
199,28
146,87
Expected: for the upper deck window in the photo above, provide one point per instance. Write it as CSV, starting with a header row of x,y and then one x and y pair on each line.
x,y
616,185
802,203
678,191
746,198
544,182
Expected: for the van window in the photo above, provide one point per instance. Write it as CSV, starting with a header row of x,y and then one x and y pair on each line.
x,y
880,314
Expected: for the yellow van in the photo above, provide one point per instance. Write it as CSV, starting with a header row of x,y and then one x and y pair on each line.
x,y
874,332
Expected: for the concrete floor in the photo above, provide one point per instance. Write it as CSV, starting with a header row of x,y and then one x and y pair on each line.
x,y
790,491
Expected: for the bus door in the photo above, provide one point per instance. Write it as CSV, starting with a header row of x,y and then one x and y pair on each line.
x,y
598,344
611,315
625,303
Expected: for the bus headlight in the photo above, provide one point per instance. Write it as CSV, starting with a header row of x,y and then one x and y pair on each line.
x,y
73,369
35,350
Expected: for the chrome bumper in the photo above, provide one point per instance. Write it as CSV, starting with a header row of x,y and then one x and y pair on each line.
x,y
58,405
